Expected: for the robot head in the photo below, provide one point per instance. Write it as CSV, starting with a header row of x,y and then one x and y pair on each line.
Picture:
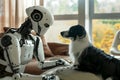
x,y
41,19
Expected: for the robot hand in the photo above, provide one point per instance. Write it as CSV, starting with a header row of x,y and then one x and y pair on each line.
x,y
50,77
62,62
53,63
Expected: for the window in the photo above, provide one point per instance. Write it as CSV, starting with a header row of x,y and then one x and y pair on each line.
x,y
58,8
53,34
66,13
104,22
65,16
103,32
107,6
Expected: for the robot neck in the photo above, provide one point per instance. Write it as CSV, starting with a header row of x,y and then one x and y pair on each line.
x,y
25,28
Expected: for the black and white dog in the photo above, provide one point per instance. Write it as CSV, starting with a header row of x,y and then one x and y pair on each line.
x,y
88,58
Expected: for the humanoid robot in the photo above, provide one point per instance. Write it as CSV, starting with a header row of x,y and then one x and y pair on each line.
x,y
114,48
19,46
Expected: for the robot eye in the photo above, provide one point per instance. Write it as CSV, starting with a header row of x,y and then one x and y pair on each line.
x,y
36,15
46,25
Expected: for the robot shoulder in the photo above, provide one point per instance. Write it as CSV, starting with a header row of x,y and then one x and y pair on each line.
x,y
35,38
8,39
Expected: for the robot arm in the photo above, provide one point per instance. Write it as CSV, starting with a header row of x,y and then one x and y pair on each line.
x,y
41,20
39,55
34,77
116,42
12,52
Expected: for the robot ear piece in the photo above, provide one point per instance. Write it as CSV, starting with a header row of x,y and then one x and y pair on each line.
x,y
36,15
46,25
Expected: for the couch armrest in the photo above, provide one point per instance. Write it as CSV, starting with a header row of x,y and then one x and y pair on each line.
x,y
58,48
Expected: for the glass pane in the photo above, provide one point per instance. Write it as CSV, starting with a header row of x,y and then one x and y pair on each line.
x,y
29,3
1,7
103,32
62,6
53,33
107,6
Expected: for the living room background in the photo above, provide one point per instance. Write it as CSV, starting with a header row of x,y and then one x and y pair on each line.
x,y
100,17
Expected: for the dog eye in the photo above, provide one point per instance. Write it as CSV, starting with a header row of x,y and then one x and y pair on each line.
x,y
81,36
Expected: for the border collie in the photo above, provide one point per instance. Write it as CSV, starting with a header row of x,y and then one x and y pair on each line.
x,y
88,58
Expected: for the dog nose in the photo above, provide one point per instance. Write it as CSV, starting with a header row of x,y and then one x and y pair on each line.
x,y
62,33
65,34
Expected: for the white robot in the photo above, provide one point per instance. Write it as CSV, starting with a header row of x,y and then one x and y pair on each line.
x,y
19,45
114,48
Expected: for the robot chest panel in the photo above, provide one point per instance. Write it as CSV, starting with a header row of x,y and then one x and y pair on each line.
x,y
27,51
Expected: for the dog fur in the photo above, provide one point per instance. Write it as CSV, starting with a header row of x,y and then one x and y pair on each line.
x,y
89,58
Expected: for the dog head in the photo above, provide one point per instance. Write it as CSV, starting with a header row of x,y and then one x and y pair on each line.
x,y
76,31
79,41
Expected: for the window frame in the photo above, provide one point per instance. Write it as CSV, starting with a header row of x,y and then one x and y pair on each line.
x,y
93,15
80,17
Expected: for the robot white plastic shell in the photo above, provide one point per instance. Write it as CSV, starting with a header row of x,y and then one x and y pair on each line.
x,y
40,17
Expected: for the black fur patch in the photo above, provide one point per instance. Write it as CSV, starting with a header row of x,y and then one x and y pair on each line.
x,y
74,31
98,62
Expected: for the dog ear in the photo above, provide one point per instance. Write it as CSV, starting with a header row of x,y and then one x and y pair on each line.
x,y
82,33
78,37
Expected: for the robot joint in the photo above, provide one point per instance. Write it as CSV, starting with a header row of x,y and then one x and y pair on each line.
x,y
6,41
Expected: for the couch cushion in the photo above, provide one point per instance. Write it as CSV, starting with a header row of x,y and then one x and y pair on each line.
x,y
59,48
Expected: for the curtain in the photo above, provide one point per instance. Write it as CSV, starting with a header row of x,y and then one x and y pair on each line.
x,y
12,12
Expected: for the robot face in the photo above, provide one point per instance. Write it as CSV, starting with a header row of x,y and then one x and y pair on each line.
x,y
41,19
